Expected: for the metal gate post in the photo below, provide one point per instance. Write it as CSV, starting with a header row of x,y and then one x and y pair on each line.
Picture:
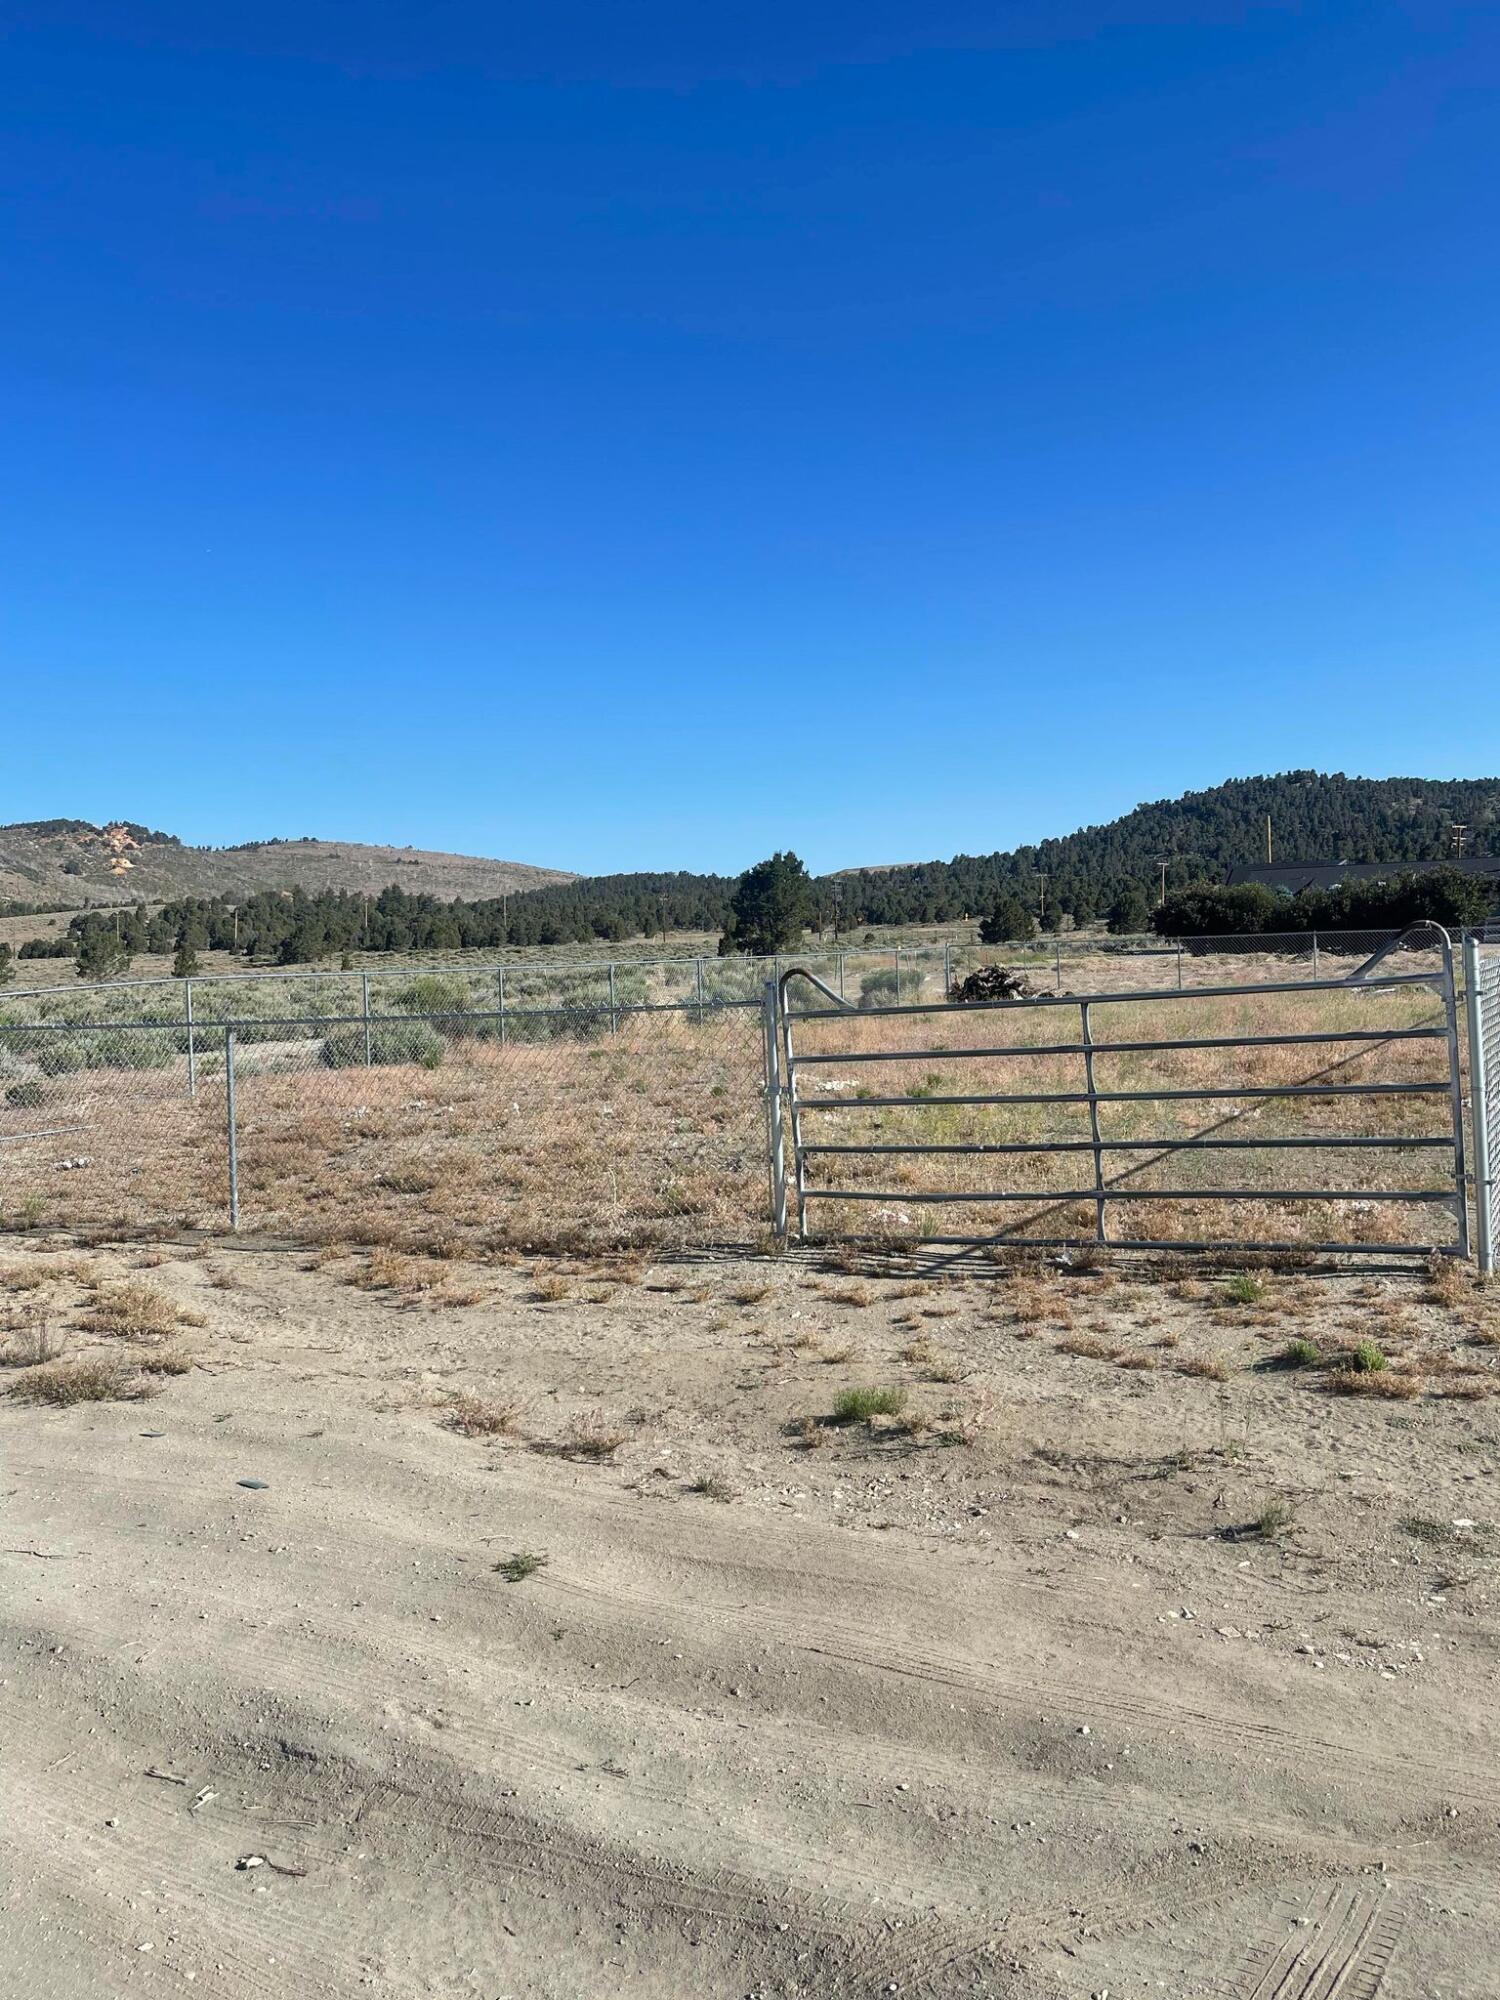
x,y
1456,1083
1088,1071
234,1137
775,1138
187,996
1485,1140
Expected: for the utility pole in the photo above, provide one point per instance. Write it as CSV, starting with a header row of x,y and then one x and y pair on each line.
x,y
1044,896
1162,896
1268,840
1458,836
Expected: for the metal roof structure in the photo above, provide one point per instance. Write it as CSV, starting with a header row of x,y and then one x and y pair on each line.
x,y
1294,876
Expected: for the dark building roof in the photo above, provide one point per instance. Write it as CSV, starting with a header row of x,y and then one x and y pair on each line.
x,y
1294,876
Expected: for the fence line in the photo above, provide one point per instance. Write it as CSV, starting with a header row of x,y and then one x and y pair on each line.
x,y
649,1119
885,974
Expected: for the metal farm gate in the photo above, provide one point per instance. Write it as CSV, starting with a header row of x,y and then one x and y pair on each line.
x,y
1323,1114
1482,993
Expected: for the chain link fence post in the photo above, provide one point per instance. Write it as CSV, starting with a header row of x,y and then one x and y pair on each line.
x,y
233,1132
364,982
192,1053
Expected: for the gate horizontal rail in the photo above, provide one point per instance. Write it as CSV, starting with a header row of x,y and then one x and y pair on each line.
x,y
1130,1048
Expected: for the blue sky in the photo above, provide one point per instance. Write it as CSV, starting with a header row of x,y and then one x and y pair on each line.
x,y
644,437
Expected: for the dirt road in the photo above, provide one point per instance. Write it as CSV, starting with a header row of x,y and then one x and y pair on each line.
x,y
1023,1707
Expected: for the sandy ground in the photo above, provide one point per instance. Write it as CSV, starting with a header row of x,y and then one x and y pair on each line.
x,y
1013,1699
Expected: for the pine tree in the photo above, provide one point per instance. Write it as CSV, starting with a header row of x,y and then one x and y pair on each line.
x,y
185,959
771,907
1130,913
102,955
1009,922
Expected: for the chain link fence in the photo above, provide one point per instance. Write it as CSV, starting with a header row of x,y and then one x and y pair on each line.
x,y
872,976
459,1131
573,1123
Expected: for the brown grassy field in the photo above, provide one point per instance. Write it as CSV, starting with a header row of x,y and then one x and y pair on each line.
x,y
657,1133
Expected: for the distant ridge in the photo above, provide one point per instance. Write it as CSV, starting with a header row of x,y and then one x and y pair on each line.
x,y
71,863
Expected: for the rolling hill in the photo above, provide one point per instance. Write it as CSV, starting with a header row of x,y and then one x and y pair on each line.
x,y
48,863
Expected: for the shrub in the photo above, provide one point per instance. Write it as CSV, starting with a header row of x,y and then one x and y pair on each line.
x,y
1366,1358
857,1406
57,1055
26,1096
1301,1354
1243,1290
430,994
516,1568
390,1042
887,987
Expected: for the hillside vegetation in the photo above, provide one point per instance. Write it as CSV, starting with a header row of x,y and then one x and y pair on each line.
x,y
67,863
347,898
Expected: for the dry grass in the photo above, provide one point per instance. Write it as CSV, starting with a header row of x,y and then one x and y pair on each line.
x,y
592,1436
1089,1346
848,1295
93,1379
750,1295
1387,1385
483,1416
1205,1367
166,1361
30,1344
133,1310
386,1270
